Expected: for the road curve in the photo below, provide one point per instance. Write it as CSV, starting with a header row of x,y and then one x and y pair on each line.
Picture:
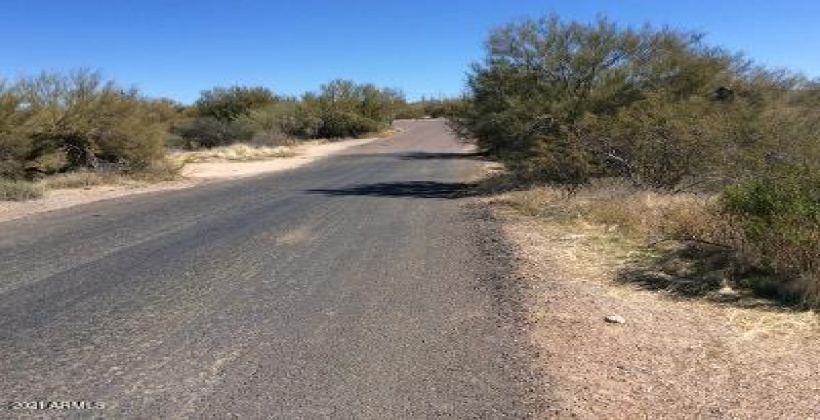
x,y
354,287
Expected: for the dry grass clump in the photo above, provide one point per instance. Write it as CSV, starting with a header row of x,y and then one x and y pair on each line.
x,y
234,152
158,171
161,170
617,207
683,244
80,179
12,190
674,358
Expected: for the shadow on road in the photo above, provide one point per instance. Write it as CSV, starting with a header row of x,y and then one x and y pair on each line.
x,y
441,156
412,189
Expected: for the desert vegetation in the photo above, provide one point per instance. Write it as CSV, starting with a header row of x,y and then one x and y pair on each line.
x,y
76,129
339,109
430,108
59,123
609,119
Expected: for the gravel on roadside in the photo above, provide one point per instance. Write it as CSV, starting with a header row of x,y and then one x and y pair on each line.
x,y
615,351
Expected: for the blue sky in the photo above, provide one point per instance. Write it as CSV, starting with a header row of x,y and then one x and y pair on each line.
x,y
176,48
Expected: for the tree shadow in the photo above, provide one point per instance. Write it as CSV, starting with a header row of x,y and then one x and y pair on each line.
x,y
441,156
408,189
704,272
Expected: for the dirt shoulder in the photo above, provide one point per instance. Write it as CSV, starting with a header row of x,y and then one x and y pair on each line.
x,y
194,174
672,358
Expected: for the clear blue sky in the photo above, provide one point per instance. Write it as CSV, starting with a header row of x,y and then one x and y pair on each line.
x,y
176,48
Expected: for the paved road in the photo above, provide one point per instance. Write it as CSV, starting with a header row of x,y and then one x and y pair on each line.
x,y
353,287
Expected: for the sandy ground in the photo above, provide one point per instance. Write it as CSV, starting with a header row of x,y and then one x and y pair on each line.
x,y
672,358
194,174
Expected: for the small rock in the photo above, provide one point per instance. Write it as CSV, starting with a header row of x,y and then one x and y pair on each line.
x,y
615,319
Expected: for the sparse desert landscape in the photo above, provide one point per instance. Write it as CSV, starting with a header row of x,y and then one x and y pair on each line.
x,y
672,357
323,209
192,175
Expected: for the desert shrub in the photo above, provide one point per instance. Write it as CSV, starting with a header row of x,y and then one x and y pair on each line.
x,y
230,103
13,154
18,190
774,207
77,119
565,102
598,99
555,159
569,103
378,104
226,115
412,110
211,132
174,141
339,124
15,144
440,108
159,170
277,123
433,108
660,143
348,109
302,123
270,118
784,200
340,108
164,110
778,220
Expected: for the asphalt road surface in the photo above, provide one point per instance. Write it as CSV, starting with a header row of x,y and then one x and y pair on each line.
x,y
354,287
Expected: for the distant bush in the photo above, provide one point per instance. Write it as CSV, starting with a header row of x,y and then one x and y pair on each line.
x,y
222,116
442,107
340,108
348,109
284,119
433,108
414,110
230,103
210,132
302,123
340,124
